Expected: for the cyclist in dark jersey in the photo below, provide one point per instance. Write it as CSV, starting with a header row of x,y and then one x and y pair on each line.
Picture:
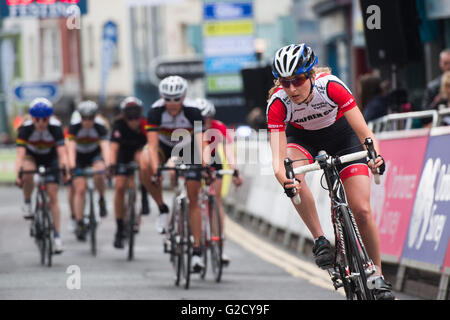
x,y
311,110
173,116
87,147
128,138
40,141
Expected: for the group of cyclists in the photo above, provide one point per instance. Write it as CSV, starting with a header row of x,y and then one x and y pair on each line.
x,y
308,110
133,138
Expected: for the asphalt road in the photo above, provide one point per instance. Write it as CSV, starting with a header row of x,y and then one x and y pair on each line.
x,y
258,270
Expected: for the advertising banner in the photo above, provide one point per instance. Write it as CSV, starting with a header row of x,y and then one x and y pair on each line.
x,y
41,8
446,266
429,228
393,199
230,64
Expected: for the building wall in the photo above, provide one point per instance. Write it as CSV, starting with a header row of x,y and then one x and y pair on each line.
x,y
120,79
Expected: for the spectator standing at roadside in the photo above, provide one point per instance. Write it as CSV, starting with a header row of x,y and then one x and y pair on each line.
x,y
373,98
431,95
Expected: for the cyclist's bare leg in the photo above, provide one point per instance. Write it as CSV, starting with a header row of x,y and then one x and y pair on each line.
x,y
120,186
79,196
193,190
70,196
99,179
28,182
307,208
357,189
52,192
145,174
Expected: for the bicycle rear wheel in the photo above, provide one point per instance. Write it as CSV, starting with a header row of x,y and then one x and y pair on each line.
x,y
216,239
205,240
355,259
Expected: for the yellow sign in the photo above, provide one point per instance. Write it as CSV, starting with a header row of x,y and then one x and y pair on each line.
x,y
228,28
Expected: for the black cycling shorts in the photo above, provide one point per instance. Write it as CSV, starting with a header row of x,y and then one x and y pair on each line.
x,y
85,160
337,139
50,162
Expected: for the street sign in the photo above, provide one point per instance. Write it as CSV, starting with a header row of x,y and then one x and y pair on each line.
x,y
186,68
26,92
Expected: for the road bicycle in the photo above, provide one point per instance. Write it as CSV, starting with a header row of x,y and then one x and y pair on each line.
x,y
352,265
42,222
91,217
132,203
179,243
212,228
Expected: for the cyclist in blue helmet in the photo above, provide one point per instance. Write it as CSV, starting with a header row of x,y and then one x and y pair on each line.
x,y
40,141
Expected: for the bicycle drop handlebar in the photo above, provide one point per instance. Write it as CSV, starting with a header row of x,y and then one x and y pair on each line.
x,y
331,161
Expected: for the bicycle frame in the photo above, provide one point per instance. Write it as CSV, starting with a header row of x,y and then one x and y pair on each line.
x,y
42,224
348,241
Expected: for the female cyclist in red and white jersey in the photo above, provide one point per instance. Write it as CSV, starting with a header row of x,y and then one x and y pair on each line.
x,y
310,110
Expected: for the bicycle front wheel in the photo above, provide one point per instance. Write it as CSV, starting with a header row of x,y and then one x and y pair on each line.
x,y
131,223
47,237
216,239
185,245
355,259
92,224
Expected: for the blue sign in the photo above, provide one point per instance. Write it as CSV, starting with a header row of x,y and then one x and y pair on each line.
x,y
41,9
26,92
227,11
228,64
429,227
109,47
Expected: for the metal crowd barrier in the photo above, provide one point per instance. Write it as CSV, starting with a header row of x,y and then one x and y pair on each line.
x,y
404,121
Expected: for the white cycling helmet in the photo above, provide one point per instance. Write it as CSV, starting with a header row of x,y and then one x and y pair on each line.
x,y
173,87
206,107
87,108
292,60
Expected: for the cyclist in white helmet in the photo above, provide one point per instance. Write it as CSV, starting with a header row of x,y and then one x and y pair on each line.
x,y
171,112
309,110
87,147
218,135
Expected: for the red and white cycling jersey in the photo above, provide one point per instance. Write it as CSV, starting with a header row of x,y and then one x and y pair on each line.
x,y
331,99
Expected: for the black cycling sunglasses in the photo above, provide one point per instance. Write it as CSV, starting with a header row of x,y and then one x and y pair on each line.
x,y
172,99
88,117
132,113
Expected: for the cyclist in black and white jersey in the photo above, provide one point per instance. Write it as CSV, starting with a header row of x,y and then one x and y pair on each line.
x,y
88,146
40,141
174,116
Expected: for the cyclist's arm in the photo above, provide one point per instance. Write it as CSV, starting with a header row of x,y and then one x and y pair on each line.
x,y
62,156
278,145
104,147
205,150
113,151
20,156
72,152
153,144
359,125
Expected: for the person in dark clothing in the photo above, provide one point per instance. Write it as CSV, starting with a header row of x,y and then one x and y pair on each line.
x,y
431,95
373,99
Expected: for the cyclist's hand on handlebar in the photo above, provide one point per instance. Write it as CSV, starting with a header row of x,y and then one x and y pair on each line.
x,y
19,182
237,179
290,188
156,179
207,175
379,163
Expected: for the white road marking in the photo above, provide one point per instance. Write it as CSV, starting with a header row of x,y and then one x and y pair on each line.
x,y
268,252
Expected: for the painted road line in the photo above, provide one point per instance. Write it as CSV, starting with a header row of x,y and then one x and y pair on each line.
x,y
268,252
